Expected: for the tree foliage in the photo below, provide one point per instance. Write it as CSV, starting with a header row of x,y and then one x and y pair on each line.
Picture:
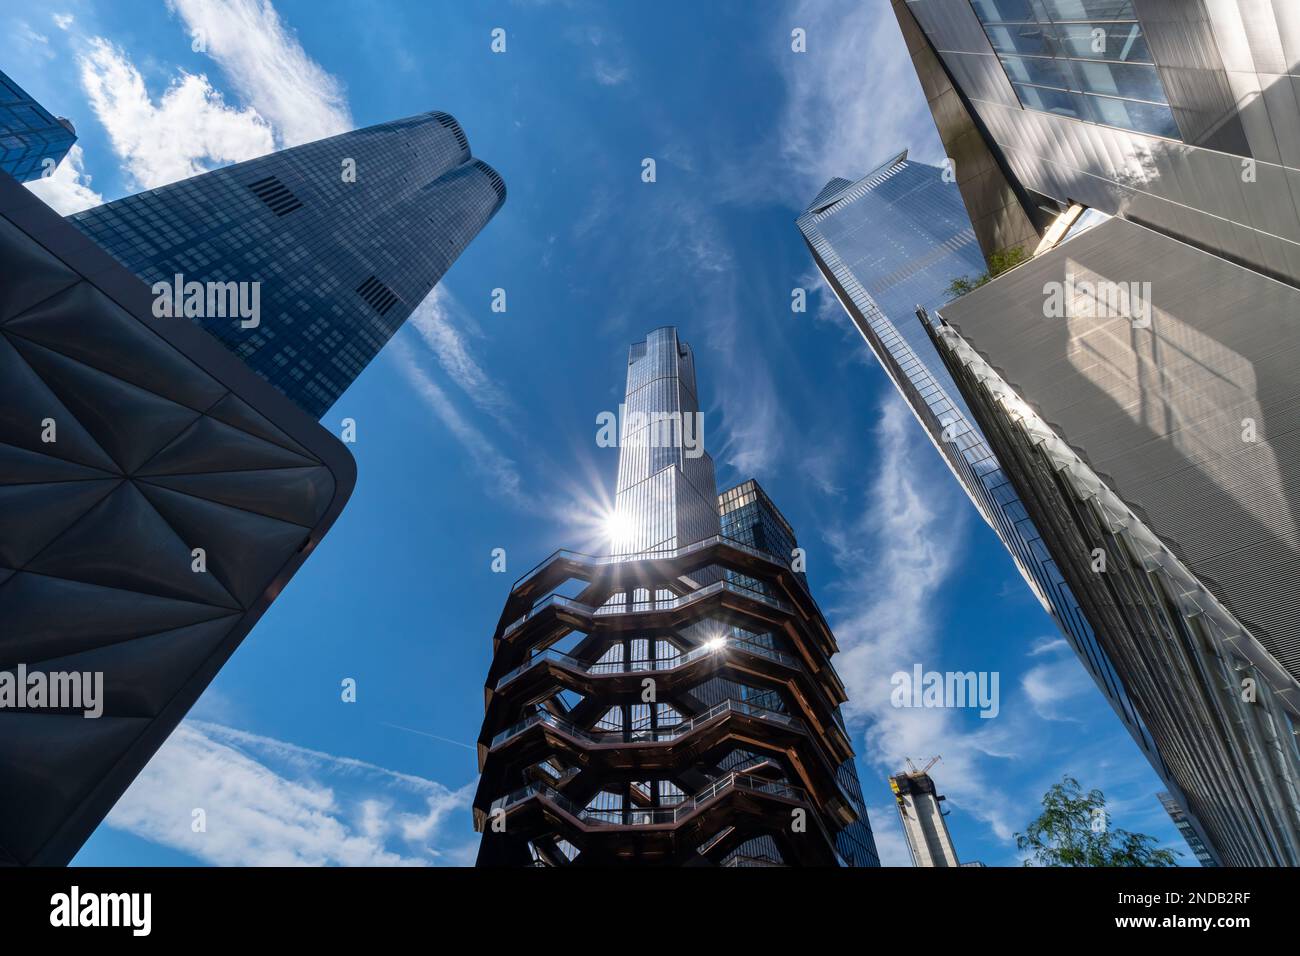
x,y
1074,830
999,262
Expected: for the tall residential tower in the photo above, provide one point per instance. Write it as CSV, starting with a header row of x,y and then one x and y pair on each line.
x,y
342,239
676,703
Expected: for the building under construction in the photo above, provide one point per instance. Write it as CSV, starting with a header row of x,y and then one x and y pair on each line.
x,y
922,817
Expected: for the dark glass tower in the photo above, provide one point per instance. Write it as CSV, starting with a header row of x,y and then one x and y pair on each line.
x,y
345,236
29,133
674,704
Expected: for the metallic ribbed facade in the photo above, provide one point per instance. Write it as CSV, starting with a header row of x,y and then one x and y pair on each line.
x,y
672,706
346,236
32,140
1162,439
1166,440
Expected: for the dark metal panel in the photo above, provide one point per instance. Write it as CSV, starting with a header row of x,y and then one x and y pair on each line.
x,y
179,448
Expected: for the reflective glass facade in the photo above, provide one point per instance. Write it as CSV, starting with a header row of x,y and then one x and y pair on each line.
x,y
666,495
341,260
1227,183
29,134
1086,59
892,241
750,517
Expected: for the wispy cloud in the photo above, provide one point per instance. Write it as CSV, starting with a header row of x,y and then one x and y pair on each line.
x,y
441,323
67,189
1051,685
35,41
272,803
268,67
62,20
500,472
189,129
610,74
898,559
851,101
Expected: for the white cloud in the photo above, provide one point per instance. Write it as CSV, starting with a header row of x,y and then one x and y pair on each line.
x,y
1051,685
34,40
896,562
436,319
887,831
610,74
269,68
852,100
288,98
67,189
187,131
271,803
62,20
501,473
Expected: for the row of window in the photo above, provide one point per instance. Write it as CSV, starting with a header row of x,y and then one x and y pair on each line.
x,y
1086,59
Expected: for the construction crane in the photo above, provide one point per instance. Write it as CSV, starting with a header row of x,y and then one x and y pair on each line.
x,y
911,767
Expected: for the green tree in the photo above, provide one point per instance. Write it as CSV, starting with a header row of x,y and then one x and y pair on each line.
x,y
999,262
1073,830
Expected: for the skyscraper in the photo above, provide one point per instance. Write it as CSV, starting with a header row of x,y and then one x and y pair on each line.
x,y
32,139
674,704
339,240
1136,378
924,823
885,244
657,507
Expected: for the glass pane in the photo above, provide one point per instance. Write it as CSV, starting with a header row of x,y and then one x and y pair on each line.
x,y
1136,80
1089,9
1139,117
1051,101
1097,41
1003,10
1020,38
1040,71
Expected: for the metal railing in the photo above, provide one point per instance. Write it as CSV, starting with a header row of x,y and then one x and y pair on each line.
x,y
633,817
648,734
602,560
640,666
558,600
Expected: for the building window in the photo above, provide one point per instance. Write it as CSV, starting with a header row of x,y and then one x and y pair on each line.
x,y
1086,59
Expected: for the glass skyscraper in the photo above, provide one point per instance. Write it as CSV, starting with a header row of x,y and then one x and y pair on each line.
x,y
673,702
344,237
658,507
892,242
29,134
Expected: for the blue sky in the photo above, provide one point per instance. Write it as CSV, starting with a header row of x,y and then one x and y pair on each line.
x,y
476,430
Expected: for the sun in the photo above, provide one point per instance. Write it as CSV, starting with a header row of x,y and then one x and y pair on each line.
x,y
617,527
